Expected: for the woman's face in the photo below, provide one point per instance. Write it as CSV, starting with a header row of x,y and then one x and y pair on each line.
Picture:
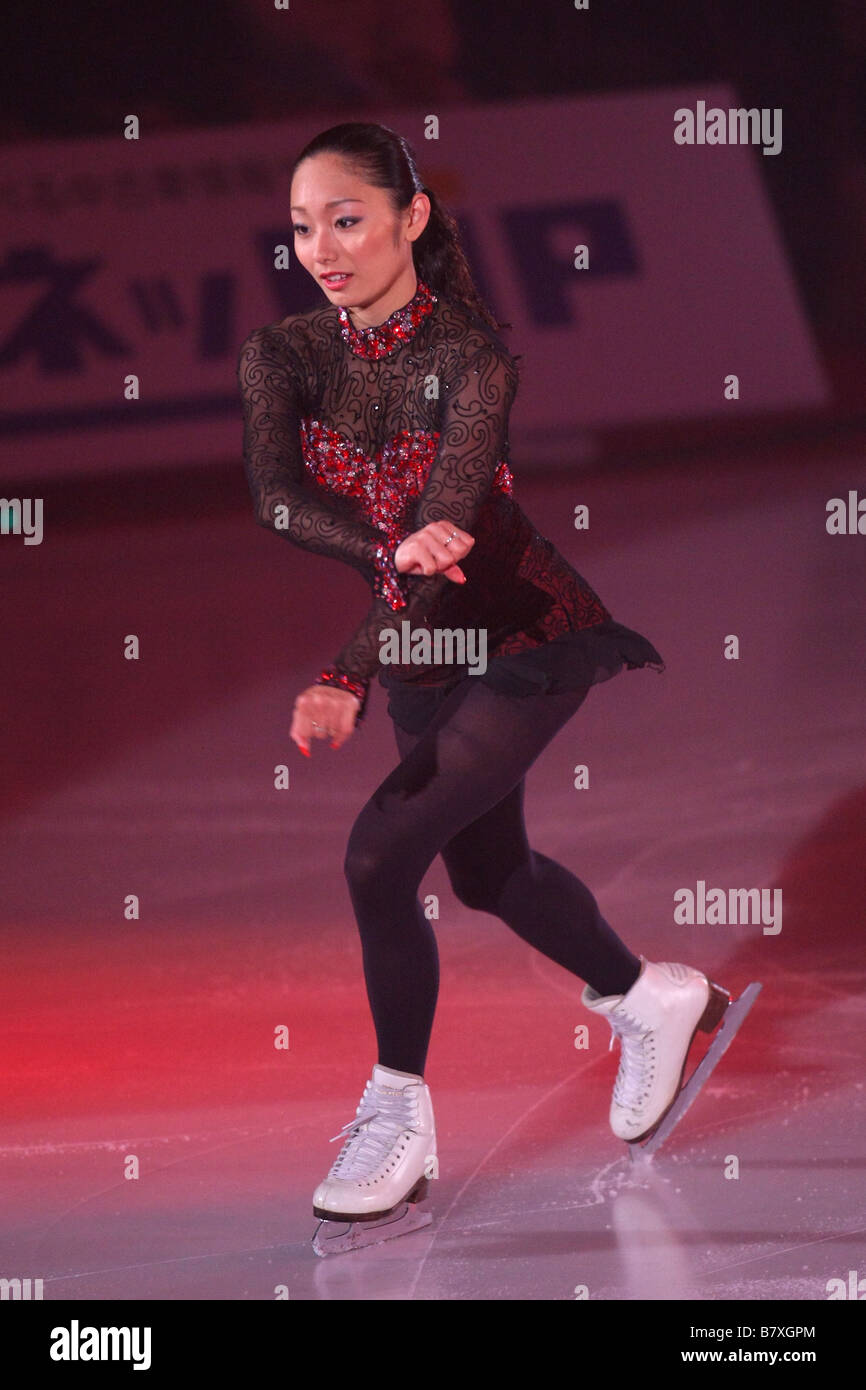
x,y
342,224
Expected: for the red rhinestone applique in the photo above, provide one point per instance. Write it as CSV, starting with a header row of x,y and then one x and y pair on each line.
x,y
385,485
398,327
329,675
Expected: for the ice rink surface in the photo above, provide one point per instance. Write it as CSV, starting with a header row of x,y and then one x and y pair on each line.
x,y
153,1039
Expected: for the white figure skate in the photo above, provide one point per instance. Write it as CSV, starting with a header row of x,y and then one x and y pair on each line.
x,y
378,1186
656,1022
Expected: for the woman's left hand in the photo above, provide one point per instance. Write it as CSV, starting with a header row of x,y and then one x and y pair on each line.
x,y
435,549
324,711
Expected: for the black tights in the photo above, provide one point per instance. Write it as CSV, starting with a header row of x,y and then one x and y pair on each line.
x,y
458,791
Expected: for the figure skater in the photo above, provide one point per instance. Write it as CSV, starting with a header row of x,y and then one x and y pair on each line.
x,y
376,432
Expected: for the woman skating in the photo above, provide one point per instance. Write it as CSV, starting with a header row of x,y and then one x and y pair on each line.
x,y
376,432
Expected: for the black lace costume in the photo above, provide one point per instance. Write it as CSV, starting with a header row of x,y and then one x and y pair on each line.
x,y
355,438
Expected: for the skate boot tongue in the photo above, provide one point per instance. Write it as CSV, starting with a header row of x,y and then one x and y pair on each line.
x,y
394,1081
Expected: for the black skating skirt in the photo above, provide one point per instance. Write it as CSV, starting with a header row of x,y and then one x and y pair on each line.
x,y
572,661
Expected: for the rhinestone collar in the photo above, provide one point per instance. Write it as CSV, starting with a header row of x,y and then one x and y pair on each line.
x,y
397,328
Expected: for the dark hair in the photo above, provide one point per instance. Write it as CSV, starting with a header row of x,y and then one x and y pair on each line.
x,y
386,160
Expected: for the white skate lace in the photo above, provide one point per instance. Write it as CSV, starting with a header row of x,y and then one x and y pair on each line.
x,y
379,1121
637,1060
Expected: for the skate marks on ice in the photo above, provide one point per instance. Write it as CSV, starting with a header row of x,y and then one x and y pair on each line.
x,y
543,1213
733,1020
490,1213
545,1209
513,1228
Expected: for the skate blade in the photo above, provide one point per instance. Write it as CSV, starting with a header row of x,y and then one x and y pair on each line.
x,y
339,1237
733,1020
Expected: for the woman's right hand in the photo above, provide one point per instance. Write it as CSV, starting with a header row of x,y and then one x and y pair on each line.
x,y
426,552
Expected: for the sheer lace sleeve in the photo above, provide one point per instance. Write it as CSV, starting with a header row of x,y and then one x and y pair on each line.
x,y
473,433
284,501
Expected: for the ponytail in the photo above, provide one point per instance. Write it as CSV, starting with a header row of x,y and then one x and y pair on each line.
x,y
441,262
